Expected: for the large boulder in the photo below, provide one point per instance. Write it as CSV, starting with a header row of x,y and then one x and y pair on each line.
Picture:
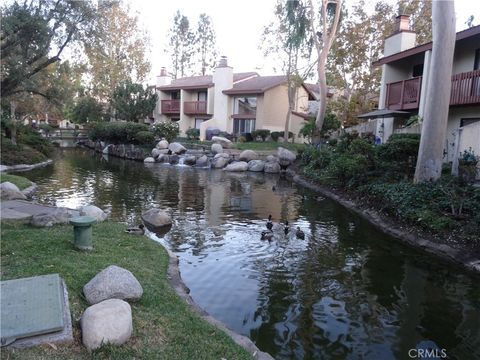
x,y
156,153
202,161
163,158
174,159
93,211
149,160
217,149
156,218
107,322
256,165
227,144
272,167
177,148
271,158
113,282
53,216
10,191
190,160
220,161
162,144
285,157
237,166
247,155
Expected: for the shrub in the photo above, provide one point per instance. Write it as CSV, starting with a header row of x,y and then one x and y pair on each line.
x,y
19,154
398,156
346,170
166,129
260,133
275,135
116,132
144,138
30,137
193,134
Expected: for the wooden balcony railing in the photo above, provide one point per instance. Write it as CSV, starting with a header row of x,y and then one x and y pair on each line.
x,y
405,95
465,88
195,107
170,106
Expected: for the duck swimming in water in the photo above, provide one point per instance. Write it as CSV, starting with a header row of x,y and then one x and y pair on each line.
x,y
299,233
269,223
140,230
286,229
267,235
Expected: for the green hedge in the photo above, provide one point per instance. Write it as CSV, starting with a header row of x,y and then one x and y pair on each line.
x,y
118,132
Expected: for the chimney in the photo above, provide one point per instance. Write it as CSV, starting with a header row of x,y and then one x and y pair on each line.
x,y
403,38
223,62
163,78
402,23
222,80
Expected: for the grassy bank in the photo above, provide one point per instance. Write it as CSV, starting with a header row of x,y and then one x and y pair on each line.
x,y
268,145
20,181
164,327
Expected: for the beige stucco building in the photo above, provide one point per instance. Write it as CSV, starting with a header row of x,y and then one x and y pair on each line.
x,y
236,103
406,83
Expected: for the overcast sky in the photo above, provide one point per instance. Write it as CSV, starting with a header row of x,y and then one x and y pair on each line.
x,y
238,26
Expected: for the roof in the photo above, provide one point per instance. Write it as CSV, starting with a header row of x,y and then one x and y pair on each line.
x,y
422,48
199,82
384,113
256,85
302,115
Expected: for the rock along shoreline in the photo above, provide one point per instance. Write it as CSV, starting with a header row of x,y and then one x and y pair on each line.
x,y
442,251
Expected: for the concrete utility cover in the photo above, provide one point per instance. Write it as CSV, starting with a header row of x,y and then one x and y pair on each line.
x,y
30,306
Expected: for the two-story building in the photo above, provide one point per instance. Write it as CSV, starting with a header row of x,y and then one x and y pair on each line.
x,y
236,103
406,83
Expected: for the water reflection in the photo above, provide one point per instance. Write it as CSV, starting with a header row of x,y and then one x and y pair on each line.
x,y
345,292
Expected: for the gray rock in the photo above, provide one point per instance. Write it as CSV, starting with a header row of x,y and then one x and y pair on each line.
x,y
107,322
177,148
248,155
162,144
149,160
217,149
272,167
10,191
174,159
52,217
220,161
256,165
93,211
271,158
155,153
162,158
202,161
190,160
113,282
227,144
285,155
156,218
237,166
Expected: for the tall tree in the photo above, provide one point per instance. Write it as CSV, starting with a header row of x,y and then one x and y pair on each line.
x,y
329,17
132,102
287,39
116,51
86,110
181,42
205,41
434,127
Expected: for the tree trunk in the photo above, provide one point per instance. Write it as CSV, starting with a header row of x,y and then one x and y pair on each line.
x,y
434,127
291,106
13,106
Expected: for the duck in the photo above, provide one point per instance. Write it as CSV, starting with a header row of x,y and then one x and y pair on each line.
x,y
299,233
267,235
269,223
140,230
274,188
286,229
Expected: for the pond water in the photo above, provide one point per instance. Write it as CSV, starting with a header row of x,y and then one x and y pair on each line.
x,y
347,291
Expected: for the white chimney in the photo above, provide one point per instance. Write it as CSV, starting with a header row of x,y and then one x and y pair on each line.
x,y
403,38
163,78
222,80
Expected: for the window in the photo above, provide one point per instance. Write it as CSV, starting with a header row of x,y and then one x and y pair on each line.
x,y
245,106
468,121
175,95
242,126
417,70
202,96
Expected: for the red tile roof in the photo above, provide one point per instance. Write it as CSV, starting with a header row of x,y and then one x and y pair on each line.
x,y
201,82
256,85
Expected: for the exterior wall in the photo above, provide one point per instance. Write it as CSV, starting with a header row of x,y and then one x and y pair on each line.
x,y
399,42
223,80
454,117
465,54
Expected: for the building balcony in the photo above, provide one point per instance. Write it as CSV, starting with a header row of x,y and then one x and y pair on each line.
x,y
170,107
405,94
195,107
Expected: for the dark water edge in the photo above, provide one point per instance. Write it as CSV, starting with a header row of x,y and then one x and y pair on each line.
x,y
347,291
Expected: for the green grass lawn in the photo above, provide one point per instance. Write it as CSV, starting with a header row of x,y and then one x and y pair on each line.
x,y
20,181
267,145
164,326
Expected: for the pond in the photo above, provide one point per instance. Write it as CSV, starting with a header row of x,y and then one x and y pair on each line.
x,y
347,291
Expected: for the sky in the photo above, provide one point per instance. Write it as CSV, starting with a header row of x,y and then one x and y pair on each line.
x,y
238,26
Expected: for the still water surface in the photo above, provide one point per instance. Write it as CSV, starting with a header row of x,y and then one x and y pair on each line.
x,y
345,292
